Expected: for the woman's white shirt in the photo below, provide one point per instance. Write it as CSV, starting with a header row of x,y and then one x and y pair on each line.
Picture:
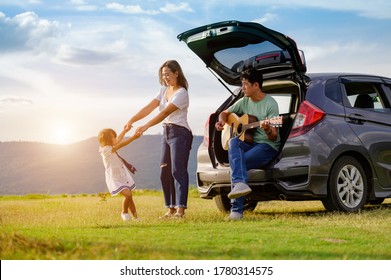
x,y
180,99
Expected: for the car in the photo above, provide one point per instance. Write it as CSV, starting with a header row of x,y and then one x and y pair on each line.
x,y
335,132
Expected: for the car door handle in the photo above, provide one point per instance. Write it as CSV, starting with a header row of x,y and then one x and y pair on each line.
x,y
357,118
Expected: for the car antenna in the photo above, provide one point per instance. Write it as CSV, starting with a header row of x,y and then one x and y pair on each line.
x,y
221,82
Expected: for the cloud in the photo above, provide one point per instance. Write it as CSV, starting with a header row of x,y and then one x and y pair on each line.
x,y
87,8
174,8
84,56
137,9
78,2
130,9
266,18
14,100
27,32
379,9
347,57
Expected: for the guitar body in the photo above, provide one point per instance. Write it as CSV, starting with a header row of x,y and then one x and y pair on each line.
x,y
234,127
244,127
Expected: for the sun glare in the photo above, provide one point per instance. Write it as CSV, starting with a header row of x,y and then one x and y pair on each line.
x,y
63,134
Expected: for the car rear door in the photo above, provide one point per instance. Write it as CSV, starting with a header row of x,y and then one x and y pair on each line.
x,y
368,113
229,47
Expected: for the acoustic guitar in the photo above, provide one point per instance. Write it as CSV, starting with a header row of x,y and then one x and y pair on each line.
x,y
244,127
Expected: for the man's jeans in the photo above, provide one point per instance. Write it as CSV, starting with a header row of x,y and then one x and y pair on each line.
x,y
176,146
243,157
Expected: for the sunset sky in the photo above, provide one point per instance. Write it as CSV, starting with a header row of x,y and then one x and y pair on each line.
x,y
69,68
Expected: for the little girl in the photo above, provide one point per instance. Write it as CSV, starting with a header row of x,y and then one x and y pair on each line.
x,y
118,178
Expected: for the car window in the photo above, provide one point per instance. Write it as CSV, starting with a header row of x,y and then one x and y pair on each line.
x,y
388,92
284,102
364,95
254,55
333,91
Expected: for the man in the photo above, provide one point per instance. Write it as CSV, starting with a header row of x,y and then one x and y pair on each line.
x,y
244,156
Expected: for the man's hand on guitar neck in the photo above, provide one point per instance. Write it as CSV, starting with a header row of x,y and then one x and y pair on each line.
x,y
265,125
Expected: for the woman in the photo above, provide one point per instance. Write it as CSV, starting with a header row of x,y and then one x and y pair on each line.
x,y
173,103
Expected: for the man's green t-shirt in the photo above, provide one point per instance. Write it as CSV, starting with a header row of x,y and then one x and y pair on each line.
x,y
265,108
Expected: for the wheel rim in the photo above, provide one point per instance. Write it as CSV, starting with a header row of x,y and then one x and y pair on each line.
x,y
350,186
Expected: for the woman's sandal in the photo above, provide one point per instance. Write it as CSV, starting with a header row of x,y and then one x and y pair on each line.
x,y
178,215
167,216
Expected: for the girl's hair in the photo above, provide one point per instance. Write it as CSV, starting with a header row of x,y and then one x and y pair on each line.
x,y
105,137
174,67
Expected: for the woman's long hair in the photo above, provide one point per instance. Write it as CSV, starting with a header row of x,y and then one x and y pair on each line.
x,y
174,67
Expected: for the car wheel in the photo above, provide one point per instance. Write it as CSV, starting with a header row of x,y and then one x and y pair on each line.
x,y
347,186
223,203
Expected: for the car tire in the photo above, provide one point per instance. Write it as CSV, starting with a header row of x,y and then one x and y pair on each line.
x,y
223,203
347,186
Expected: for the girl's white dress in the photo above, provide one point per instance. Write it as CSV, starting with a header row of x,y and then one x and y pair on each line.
x,y
117,175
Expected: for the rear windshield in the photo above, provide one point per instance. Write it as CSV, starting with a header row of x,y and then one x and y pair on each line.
x,y
254,55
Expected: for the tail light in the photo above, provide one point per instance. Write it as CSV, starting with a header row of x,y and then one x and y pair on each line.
x,y
307,117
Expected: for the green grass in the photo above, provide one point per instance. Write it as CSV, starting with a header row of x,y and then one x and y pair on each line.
x,y
89,227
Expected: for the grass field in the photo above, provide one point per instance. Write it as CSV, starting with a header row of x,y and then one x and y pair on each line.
x,y
89,227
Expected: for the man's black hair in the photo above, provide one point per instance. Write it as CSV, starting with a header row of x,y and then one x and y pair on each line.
x,y
252,75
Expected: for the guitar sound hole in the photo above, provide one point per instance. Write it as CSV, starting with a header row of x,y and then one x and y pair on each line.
x,y
239,130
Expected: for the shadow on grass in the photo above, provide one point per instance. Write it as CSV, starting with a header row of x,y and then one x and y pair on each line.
x,y
320,212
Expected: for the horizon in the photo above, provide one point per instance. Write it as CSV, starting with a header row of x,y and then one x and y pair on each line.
x,y
78,141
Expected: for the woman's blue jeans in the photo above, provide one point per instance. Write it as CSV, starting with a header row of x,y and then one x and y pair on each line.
x,y
176,146
243,157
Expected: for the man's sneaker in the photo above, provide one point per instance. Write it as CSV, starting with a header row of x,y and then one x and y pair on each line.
x,y
125,216
239,189
235,216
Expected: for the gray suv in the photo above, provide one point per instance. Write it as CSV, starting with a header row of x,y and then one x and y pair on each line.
x,y
336,127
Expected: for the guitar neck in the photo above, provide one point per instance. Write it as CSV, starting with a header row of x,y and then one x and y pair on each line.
x,y
272,122
252,125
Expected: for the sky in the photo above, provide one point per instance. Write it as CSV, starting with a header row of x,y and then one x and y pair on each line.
x,y
69,68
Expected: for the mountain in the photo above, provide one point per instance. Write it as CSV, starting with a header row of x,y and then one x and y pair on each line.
x,y
30,167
